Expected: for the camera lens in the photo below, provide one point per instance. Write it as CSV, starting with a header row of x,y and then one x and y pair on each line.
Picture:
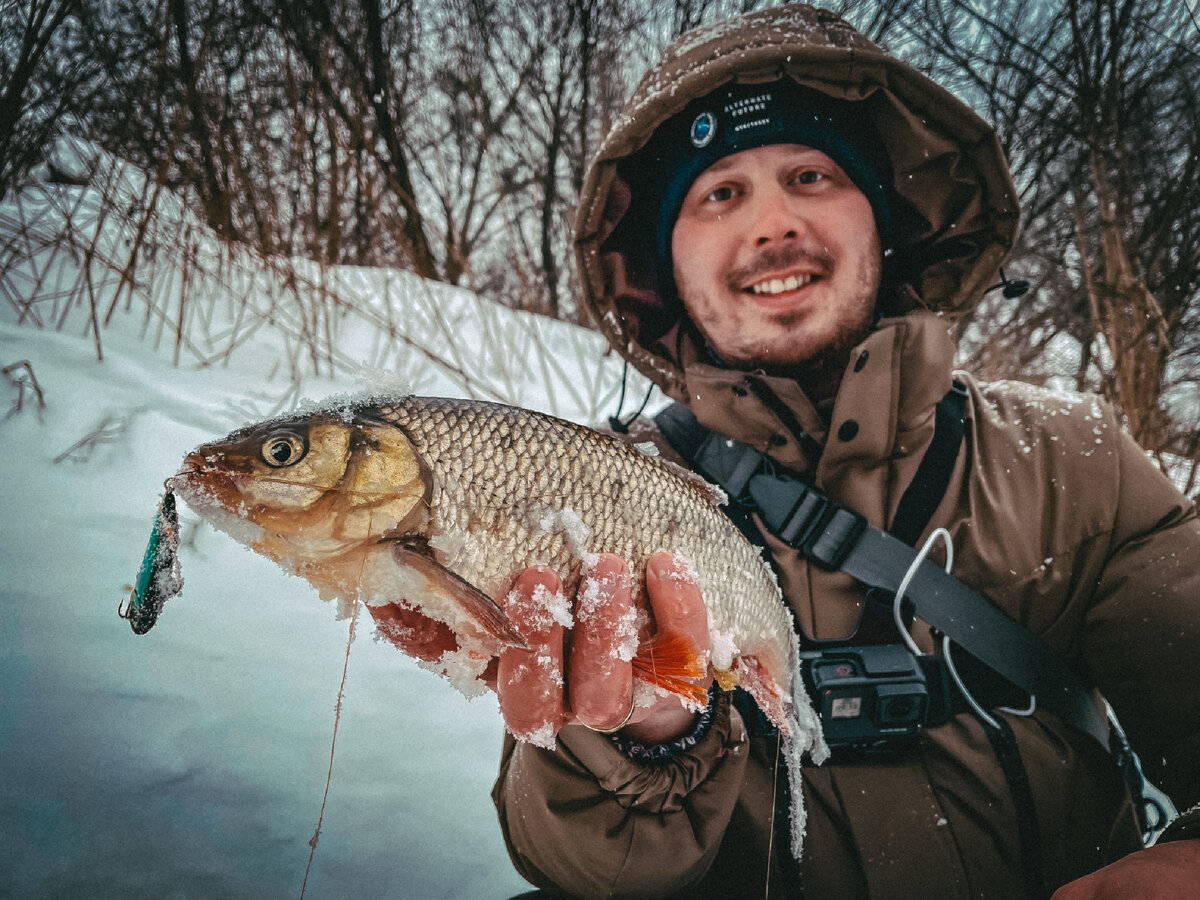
x,y
900,708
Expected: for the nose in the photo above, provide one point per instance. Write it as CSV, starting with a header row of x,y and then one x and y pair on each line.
x,y
776,217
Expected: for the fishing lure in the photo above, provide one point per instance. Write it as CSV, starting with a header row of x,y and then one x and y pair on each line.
x,y
159,578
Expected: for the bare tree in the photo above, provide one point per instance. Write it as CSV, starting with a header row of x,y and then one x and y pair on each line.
x,y
450,137
1097,105
43,72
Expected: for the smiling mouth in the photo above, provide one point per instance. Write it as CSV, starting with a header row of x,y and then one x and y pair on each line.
x,y
773,286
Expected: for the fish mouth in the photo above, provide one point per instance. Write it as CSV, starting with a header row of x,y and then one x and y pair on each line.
x,y
185,472
199,480
193,464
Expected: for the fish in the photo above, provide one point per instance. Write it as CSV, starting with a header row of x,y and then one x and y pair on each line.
x,y
424,508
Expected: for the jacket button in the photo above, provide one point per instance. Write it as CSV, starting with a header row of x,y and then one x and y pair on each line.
x,y
848,430
861,361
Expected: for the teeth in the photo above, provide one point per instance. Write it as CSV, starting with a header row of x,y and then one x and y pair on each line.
x,y
779,285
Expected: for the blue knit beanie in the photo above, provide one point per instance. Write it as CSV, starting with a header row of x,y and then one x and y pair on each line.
x,y
740,117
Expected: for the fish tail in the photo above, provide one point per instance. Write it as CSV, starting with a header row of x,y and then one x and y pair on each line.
x,y
765,691
672,662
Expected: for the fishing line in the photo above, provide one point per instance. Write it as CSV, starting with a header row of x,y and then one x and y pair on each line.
x,y
774,810
337,718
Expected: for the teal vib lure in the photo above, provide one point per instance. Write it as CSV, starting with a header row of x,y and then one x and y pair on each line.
x,y
159,578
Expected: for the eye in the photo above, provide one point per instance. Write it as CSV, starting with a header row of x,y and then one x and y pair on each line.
x,y
808,176
283,449
719,195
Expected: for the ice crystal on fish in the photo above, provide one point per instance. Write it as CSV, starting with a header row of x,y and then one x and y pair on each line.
x,y
724,648
462,668
543,609
564,521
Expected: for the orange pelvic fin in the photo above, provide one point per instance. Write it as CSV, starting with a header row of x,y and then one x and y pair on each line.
x,y
671,661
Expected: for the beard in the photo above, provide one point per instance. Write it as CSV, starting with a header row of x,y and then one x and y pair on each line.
x,y
809,342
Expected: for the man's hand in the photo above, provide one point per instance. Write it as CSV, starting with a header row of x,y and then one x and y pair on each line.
x,y
1164,870
538,694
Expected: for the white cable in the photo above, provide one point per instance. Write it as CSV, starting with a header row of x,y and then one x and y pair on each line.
x,y
979,710
908,577
1027,711
912,645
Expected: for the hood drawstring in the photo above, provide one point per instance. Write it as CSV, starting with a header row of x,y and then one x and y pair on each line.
x,y
614,421
1012,289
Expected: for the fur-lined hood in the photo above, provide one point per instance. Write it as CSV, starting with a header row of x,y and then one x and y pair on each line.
x,y
950,179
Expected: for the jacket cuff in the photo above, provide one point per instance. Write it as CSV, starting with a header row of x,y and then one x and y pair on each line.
x,y
663,785
653,753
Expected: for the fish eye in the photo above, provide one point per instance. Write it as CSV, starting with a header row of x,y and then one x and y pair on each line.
x,y
283,449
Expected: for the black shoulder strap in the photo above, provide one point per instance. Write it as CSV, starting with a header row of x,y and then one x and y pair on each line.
x,y
937,465
918,504
836,537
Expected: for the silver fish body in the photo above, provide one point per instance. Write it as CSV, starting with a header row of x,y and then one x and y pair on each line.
x,y
341,495
512,488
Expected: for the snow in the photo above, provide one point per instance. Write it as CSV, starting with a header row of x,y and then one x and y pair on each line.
x,y
191,761
544,609
564,520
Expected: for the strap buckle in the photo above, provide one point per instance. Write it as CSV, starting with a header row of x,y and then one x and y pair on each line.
x,y
823,530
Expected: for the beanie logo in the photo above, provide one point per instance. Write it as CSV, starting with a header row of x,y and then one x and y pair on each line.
x,y
704,129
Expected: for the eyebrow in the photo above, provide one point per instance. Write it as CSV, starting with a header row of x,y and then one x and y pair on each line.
x,y
726,162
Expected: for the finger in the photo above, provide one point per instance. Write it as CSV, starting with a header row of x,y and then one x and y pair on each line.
x,y
675,599
603,642
676,656
529,683
1163,870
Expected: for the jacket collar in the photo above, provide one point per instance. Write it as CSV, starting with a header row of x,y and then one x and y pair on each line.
x,y
883,411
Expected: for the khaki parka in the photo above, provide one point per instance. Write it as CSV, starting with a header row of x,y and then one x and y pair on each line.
x,y
1056,516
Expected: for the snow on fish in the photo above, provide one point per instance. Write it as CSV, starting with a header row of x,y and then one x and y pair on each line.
x,y
423,509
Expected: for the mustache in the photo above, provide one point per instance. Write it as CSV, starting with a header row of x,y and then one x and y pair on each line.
x,y
771,260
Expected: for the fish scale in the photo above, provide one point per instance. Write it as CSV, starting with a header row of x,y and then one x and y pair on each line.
x,y
630,503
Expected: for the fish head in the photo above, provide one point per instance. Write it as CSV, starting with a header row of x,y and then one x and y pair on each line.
x,y
309,488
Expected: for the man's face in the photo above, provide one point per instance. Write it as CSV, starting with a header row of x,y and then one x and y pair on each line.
x,y
777,259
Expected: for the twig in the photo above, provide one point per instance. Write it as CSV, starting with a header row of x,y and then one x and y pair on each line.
x,y
22,382
108,431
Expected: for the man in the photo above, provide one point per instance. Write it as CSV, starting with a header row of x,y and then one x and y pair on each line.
x,y
780,232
